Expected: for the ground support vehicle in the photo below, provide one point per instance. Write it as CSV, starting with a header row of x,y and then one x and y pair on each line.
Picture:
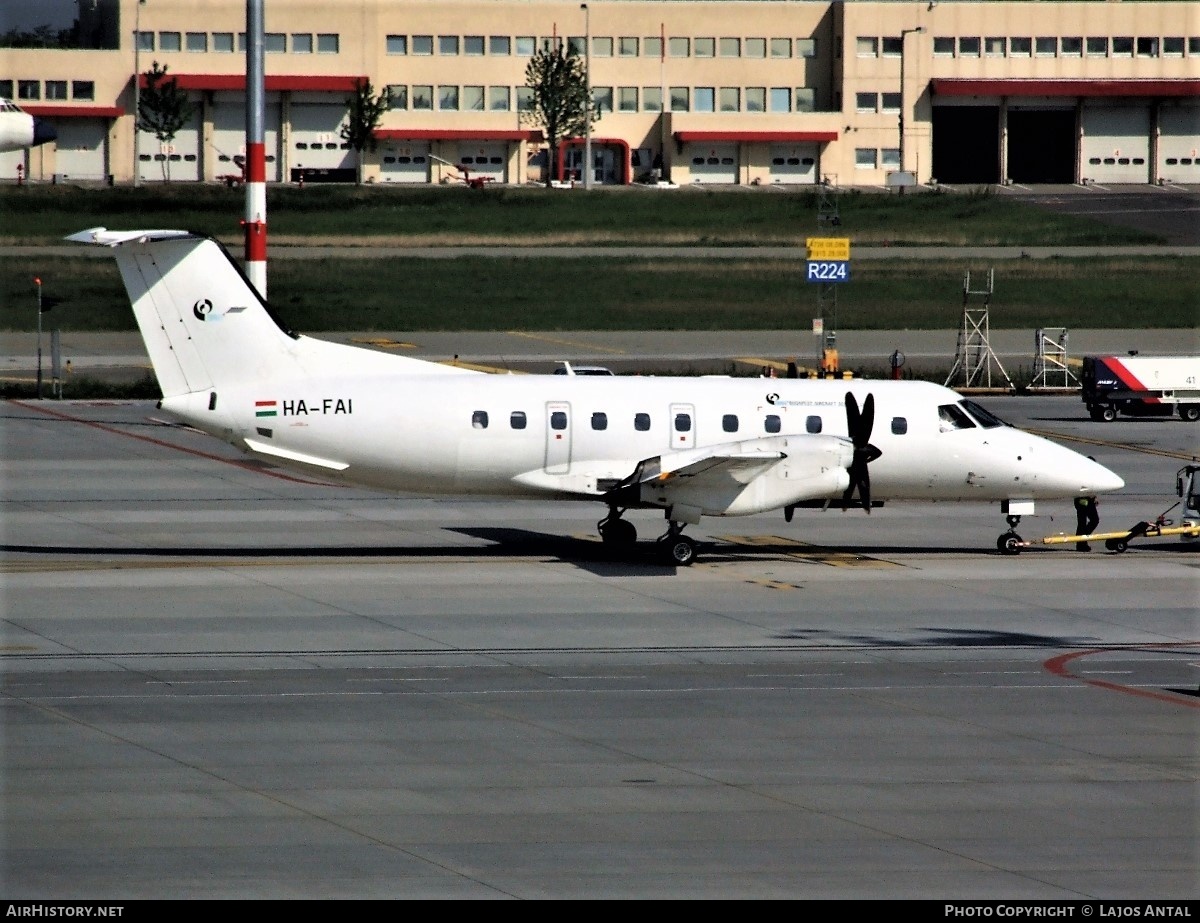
x,y
1139,386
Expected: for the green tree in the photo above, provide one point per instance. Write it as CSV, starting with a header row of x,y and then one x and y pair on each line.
x,y
559,103
163,109
366,110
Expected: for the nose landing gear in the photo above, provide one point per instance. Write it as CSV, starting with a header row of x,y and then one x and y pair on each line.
x,y
1010,542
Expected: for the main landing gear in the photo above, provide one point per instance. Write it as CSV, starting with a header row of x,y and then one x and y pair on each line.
x,y
1010,542
620,535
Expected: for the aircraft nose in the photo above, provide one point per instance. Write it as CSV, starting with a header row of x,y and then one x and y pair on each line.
x,y
1103,480
43,131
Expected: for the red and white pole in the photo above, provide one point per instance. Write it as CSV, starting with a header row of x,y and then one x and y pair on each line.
x,y
255,222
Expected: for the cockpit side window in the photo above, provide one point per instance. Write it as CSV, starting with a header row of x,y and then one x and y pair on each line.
x,y
986,419
952,417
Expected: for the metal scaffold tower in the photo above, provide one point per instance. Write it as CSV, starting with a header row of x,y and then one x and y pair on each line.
x,y
828,210
1051,367
973,357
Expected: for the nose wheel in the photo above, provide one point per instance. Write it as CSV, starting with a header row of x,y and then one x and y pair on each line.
x,y
1010,542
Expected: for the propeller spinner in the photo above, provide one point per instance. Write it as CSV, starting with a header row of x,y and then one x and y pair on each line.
x,y
859,425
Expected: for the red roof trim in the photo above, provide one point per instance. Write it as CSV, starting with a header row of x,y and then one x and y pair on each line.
x,y
756,136
76,112
947,86
322,83
456,134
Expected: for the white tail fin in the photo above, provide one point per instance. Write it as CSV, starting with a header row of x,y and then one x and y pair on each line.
x,y
205,326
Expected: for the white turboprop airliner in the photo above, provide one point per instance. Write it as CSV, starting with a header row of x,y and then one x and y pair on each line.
x,y
19,129
691,447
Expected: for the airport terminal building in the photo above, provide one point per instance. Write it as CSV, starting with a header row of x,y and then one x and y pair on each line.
x,y
692,91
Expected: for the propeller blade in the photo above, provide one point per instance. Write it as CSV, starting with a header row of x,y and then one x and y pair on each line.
x,y
859,424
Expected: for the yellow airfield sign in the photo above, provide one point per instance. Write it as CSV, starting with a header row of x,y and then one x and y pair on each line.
x,y
828,248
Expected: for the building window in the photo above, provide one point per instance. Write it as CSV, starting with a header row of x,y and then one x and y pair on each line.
x,y
1020,47
602,99
705,99
679,99
1193,46
652,99
679,46
943,46
241,43
866,102
756,99
892,46
473,45
806,48
627,46
1045,46
448,98
867,46
889,158
1172,46
274,43
396,44
754,48
397,96
731,99
422,96
499,99
472,99
56,89
1097,46
652,46
82,89
806,99
602,47
994,47
524,99
526,45
781,48
1072,46
29,89
780,99
196,41
223,42
1122,46
1147,47
705,48
448,44
865,158
6,89
169,41
730,47
302,43
550,43
499,45
328,43
968,46
576,45
627,99
889,102
422,44
145,41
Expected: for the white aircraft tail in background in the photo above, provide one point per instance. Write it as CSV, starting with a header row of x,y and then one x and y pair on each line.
x,y
691,447
20,130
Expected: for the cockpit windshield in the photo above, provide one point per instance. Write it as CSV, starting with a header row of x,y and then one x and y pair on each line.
x,y
951,417
986,419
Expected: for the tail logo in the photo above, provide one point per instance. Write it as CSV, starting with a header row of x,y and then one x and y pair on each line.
x,y
202,309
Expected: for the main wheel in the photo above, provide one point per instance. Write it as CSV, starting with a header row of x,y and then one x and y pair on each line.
x,y
618,532
1009,543
680,550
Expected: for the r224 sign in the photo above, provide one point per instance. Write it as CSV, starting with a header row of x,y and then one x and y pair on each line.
x,y
828,271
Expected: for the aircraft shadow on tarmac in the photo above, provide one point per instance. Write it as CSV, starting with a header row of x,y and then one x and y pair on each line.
x,y
956,638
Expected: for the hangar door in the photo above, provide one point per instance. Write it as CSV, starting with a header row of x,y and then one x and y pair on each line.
x,y
793,163
1179,143
1116,144
404,162
229,134
966,144
712,163
174,160
487,161
317,145
1041,145
81,149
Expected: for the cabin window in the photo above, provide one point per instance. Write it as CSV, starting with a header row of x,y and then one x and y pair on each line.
x,y
729,423
772,424
812,424
517,419
641,422
558,419
599,420
952,417
683,422
479,419
899,426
